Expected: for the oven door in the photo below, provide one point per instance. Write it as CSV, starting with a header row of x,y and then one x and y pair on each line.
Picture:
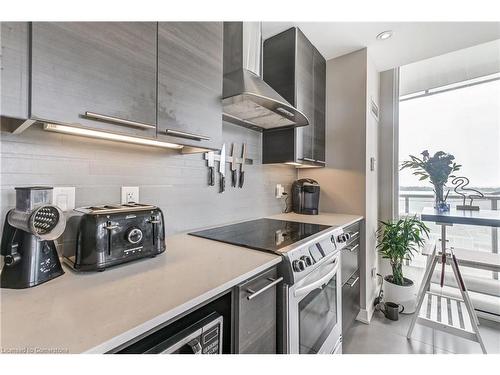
x,y
315,321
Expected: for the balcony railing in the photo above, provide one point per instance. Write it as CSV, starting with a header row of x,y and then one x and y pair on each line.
x,y
410,203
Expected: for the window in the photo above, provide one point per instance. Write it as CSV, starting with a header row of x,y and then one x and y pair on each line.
x,y
464,120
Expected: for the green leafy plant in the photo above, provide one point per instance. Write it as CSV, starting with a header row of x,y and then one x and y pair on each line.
x,y
398,241
437,168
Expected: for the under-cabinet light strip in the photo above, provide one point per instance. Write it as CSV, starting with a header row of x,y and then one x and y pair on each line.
x,y
85,132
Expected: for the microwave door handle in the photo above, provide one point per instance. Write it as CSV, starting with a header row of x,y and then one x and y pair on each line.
x,y
318,283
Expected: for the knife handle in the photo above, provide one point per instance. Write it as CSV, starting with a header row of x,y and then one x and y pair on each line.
x,y
233,178
242,179
211,176
222,183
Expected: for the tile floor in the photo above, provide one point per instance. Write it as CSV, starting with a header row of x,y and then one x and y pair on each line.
x,y
383,336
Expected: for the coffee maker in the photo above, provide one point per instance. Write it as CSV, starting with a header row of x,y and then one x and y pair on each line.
x,y
30,255
305,196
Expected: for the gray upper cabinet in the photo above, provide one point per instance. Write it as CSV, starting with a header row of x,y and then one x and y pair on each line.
x,y
14,70
319,65
304,94
190,83
107,68
297,71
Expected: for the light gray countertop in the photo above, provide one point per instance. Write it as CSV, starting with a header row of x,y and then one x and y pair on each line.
x,y
96,312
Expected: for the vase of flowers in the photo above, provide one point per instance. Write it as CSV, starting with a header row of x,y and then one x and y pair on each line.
x,y
438,169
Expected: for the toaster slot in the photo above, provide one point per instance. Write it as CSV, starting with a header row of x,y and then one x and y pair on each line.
x,y
154,222
110,226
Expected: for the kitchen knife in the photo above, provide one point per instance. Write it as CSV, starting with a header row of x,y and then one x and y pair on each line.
x,y
222,168
234,176
242,165
211,168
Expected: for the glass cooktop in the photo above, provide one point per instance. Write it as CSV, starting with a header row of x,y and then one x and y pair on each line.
x,y
262,234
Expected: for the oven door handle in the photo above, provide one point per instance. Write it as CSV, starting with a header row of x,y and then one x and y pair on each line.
x,y
318,283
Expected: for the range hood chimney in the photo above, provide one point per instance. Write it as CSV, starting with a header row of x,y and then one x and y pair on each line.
x,y
247,100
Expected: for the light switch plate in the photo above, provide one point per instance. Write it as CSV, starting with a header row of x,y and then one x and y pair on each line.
x,y
130,194
64,197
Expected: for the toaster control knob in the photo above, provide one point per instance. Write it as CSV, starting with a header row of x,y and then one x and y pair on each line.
x,y
298,265
307,260
134,235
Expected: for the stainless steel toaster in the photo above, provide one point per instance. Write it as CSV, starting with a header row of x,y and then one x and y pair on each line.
x,y
108,235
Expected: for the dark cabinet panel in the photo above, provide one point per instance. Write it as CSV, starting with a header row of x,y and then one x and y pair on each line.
x,y
319,64
256,323
190,82
278,64
14,70
296,70
350,302
304,88
351,277
107,68
350,253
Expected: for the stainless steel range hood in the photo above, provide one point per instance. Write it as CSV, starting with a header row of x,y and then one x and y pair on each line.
x,y
247,100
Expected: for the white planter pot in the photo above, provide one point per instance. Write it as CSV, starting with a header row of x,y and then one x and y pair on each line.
x,y
404,295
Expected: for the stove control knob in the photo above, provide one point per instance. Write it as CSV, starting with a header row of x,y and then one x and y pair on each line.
x,y
298,265
307,260
344,237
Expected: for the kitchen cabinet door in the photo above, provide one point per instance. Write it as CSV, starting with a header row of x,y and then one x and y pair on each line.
x,y
295,69
319,66
304,101
108,68
350,302
14,70
256,324
190,82
350,253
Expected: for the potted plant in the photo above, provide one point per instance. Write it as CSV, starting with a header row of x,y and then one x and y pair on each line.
x,y
437,169
398,241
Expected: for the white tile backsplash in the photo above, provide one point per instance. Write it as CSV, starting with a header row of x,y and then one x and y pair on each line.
x,y
176,183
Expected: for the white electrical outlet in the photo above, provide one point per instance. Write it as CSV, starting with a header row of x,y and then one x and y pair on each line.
x,y
279,190
374,272
130,194
64,197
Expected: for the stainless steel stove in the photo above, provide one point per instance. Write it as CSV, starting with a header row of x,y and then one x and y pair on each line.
x,y
310,295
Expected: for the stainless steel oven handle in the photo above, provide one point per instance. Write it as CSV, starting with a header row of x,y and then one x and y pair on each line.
x,y
254,293
318,283
121,121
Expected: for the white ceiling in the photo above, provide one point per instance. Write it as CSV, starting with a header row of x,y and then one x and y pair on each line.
x,y
412,41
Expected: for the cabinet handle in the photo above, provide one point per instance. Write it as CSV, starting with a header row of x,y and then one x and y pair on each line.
x,y
313,160
121,121
354,282
254,293
351,249
177,133
354,235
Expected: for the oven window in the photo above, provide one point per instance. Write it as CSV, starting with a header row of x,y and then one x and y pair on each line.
x,y
317,317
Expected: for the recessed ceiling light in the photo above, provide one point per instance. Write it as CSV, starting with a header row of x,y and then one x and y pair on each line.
x,y
384,35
